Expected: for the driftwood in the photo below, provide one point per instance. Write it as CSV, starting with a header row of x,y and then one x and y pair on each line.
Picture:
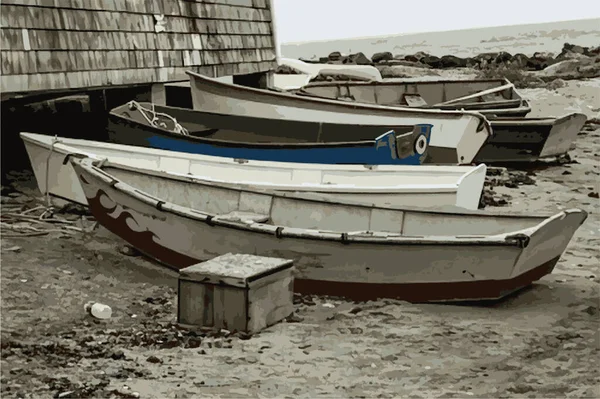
x,y
47,222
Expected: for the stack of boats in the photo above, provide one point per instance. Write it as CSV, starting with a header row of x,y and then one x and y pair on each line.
x,y
372,197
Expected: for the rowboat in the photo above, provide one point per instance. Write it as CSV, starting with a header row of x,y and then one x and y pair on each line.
x,y
339,248
250,137
515,139
388,184
456,136
491,97
531,139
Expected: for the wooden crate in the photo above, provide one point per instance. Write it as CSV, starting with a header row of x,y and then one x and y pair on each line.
x,y
236,292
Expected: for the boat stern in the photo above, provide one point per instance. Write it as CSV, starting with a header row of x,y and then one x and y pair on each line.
x,y
465,142
562,135
543,245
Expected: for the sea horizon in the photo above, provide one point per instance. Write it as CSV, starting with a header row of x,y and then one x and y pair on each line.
x,y
526,38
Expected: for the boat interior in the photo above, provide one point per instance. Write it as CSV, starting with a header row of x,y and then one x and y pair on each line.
x,y
310,211
498,93
251,129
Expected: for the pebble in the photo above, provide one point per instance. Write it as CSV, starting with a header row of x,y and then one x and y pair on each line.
x,y
153,359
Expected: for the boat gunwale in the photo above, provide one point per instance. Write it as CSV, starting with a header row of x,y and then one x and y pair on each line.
x,y
513,238
442,169
398,82
349,105
300,145
542,121
504,239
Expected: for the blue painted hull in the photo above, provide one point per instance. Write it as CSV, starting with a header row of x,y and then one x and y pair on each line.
x,y
382,150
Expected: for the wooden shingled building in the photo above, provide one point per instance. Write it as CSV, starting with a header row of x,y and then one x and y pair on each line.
x,y
53,45
66,63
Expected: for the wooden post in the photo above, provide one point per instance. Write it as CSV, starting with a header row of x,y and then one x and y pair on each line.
x,y
158,94
238,292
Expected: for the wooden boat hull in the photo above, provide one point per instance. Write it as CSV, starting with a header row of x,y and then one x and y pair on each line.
x,y
331,255
530,139
428,94
377,185
269,140
456,136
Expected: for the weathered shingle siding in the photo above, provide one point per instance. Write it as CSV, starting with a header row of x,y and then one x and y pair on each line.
x,y
58,44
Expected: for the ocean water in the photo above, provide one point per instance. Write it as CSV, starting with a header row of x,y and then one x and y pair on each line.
x,y
526,39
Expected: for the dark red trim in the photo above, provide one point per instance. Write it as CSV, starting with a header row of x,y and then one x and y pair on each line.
x,y
426,292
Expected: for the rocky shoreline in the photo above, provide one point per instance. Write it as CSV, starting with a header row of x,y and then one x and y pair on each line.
x,y
573,62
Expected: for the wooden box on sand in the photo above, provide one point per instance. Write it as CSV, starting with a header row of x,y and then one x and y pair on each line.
x,y
236,292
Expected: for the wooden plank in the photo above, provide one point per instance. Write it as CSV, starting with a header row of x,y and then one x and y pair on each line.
x,y
235,309
83,20
100,78
11,39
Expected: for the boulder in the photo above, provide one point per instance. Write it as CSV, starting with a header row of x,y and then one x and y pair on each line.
x,y
536,64
579,49
323,60
385,56
594,51
451,61
520,60
418,56
488,57
357,59
404,63
432,61
503,58
335,56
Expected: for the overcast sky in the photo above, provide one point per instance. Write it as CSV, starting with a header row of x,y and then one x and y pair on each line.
x,y
308,20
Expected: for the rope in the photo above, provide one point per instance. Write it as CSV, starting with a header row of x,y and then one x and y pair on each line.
x,y
54,141
177,127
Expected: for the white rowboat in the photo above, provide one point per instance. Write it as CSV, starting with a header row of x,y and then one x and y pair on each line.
x,y
424,185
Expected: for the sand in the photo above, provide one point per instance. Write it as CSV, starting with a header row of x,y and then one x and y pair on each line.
x,y
540,342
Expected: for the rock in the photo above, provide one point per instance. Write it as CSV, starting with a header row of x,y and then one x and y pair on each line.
x,y
594,195
334,56
98,310
578,49
294,318
193,342
128,251
251,359
117,355
385,56
285,70
541,60
432,61
502,58
13,249
451,61
536,65
520,388
75,209
358,59
418,56
556,84
153,359
520,60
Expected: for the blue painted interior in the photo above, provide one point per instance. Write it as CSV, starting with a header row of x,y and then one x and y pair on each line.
x,y
376,152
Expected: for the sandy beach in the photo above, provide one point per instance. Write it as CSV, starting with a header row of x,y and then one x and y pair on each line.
x,y
541,342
